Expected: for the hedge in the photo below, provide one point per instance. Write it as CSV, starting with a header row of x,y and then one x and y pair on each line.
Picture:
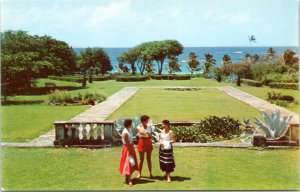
x,y
78,78
102,78
279,85
170,77
132,78
69,78
252,82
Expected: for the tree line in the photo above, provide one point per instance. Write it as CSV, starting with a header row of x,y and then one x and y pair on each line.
x,y
142,56
25,57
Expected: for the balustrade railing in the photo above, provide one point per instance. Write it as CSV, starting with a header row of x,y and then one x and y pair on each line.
x,y
92,134
102,134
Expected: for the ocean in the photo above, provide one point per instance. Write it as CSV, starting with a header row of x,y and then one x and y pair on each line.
x,y
237,54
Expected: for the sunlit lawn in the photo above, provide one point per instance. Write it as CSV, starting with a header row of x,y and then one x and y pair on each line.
x,y
196,169
26,122
262,92
161,104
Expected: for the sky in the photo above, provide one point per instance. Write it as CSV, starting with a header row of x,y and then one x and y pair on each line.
x,y
126,23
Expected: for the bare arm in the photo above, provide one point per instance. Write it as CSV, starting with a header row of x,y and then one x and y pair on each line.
x,y
142,131
127,143
173,138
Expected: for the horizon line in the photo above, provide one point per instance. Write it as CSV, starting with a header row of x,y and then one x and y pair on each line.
x,y
195,46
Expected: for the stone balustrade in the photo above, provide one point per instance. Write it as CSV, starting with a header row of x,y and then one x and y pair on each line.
x,y
92,134
102,134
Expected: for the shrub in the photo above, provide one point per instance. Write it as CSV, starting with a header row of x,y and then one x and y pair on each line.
x,y
191,134
63,97
275,77
132,78
263,68
252,83
60,97
170,77
287,98
221,128
284,85
273,95
279,99
209,130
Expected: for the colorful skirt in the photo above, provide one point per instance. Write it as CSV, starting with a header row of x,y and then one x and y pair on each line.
x,y
125,168
166,160
144,145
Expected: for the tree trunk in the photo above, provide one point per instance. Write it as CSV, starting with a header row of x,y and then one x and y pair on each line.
x,y
140,67
238,81
91,78
161,66
219,78
84,80
133,69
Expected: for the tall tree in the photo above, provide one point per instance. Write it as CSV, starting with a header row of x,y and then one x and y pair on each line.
x,y
160,50
173,65
271,52
255,58
226,60
130,57
291,59
193,63
209,61
25,57
91,58
251,39
248,58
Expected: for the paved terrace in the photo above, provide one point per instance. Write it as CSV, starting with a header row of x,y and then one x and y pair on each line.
x,y
102,110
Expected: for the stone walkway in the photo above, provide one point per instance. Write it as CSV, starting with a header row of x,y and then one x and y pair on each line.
x,y
102,110
259,103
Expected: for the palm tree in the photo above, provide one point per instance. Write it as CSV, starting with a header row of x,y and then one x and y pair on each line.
x,y
271,52
252,39
226,60
209,61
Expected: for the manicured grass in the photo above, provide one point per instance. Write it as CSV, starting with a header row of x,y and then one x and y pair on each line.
x,y
262,92
161,104
26,122
196,169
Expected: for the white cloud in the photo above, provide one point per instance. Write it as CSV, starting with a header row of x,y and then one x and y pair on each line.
x,y
102,14
238,18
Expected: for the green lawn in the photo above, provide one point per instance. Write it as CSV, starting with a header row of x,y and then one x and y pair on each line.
x,y
161,104
204,169
262,92
23,122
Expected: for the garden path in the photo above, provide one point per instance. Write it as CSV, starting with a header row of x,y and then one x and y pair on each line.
x,y
259,103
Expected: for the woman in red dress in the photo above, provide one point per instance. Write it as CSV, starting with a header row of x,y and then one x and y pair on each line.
x,y
145,144
128,161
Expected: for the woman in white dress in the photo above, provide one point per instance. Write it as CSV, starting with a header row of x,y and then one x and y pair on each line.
x,y
166,157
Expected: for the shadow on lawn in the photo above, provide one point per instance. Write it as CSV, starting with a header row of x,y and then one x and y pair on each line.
x,y
174,178
8,102
141,181
41,90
